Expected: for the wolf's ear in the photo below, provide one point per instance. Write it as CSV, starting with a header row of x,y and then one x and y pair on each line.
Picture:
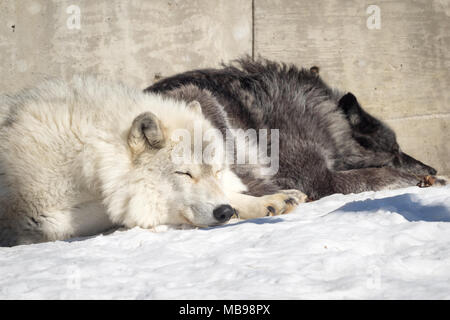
x,y
314,70
145,133
351,108
360,120
195,106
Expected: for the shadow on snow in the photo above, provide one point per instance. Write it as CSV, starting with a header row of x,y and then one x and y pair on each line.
x,y
405,204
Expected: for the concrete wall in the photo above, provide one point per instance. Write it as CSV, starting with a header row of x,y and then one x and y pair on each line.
x,y
393,56
129,40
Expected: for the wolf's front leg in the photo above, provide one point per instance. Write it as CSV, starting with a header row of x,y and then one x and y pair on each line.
x,y
250,207
374,179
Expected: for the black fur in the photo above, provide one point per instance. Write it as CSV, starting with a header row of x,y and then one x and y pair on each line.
x,y
328,143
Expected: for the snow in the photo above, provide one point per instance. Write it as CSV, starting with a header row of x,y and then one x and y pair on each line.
x,y
375,245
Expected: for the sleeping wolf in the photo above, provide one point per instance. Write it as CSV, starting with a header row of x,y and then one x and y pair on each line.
x,y
327,142
81,157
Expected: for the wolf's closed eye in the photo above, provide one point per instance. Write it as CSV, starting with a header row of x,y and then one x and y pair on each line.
x,y
184,173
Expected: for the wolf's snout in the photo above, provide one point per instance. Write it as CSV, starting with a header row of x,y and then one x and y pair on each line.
x,y
223,213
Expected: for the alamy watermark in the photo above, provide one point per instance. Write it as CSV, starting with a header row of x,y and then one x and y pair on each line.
x,y
74,19
73,277
373,22
236,146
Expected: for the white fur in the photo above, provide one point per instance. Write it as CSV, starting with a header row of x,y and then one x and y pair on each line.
x,y
66,167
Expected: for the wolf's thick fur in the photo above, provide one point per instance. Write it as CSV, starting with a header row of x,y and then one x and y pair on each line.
x,y
78,158
328,143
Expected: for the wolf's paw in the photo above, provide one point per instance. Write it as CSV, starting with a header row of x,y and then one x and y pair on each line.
x,y
283,202
426,181
295,194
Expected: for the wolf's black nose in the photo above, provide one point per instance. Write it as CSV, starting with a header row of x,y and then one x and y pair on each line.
x,y
432,171
223,213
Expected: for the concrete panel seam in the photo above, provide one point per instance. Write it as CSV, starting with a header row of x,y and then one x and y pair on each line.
x,y
253,29
422,117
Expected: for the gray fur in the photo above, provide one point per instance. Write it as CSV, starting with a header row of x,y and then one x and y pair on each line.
x,y
328,143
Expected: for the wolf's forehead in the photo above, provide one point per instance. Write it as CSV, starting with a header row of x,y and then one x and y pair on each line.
x,y
200,131
209,169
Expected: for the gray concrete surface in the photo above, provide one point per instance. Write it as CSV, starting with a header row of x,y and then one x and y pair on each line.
x,y
394,57
400,71
129,40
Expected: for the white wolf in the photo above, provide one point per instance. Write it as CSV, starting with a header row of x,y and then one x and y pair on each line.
x,y
80,157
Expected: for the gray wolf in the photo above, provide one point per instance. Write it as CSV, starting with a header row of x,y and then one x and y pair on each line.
x,y
80,157
328,143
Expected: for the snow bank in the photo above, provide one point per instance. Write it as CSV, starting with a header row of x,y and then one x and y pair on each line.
x,y
373,245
